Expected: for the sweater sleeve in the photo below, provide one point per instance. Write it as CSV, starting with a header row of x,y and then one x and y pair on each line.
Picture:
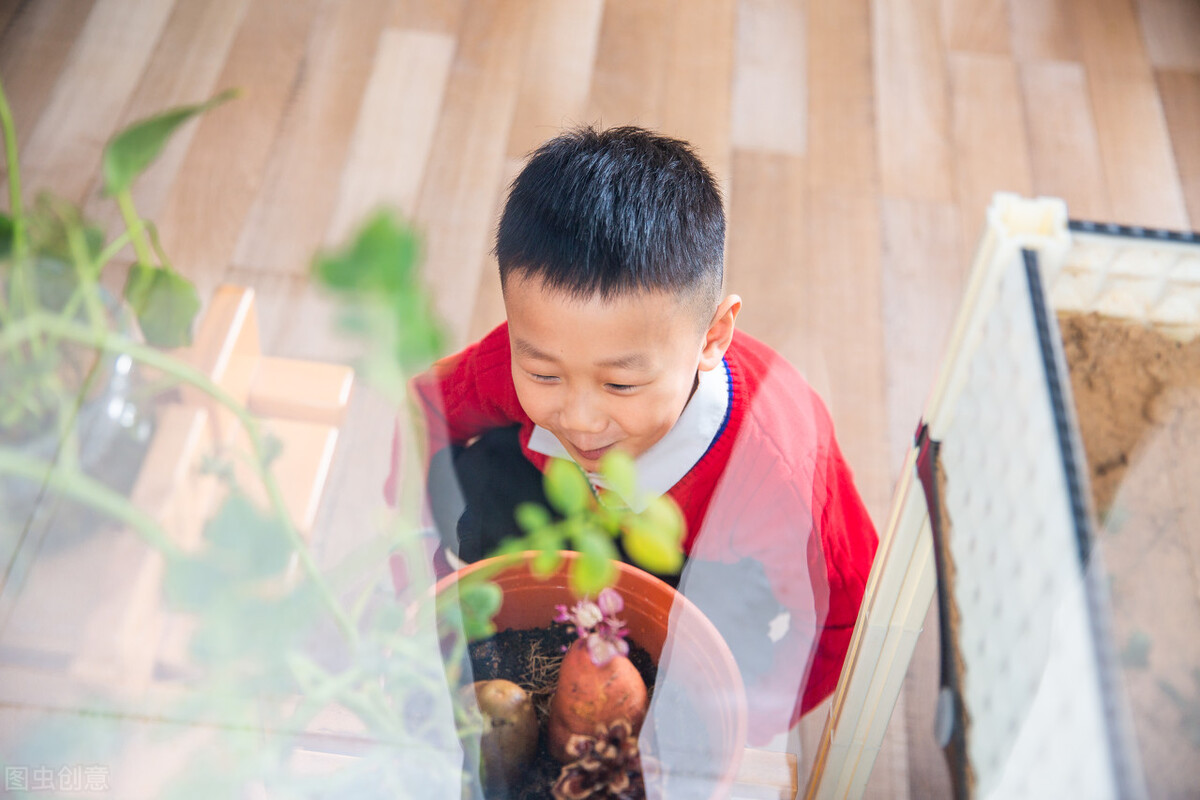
x,y
466,394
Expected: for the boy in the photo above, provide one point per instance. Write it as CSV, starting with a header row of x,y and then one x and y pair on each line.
x,y
610,249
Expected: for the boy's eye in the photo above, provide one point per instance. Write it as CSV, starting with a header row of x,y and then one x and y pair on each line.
x,y
621,387
542,378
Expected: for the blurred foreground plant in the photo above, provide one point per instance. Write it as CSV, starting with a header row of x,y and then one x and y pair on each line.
x,y
272,648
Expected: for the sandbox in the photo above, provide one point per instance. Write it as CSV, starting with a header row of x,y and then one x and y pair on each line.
x,y
1051,505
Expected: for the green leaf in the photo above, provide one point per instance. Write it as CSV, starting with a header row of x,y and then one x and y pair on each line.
x,y
652,552
130,151
546,563
593,570
567,488
380,263
653,539
620,474
165,303
593,542
381,259
193,583
610,512
532,516
547,537
665,516
479,603
247,541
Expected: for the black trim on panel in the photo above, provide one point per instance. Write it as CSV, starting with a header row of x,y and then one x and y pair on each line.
x,y
1121,747
1062,423
1133,231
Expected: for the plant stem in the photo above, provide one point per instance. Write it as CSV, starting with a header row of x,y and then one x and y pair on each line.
x,y
135,227
88,273
152,229
79,486
66,329
14,177
114,247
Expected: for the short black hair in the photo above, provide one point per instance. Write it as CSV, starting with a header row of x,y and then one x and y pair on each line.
x,y
615,211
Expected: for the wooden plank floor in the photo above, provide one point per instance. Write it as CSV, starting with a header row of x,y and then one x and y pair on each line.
x,y
858,142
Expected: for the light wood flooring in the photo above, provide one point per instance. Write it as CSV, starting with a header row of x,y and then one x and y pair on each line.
x,y
858,143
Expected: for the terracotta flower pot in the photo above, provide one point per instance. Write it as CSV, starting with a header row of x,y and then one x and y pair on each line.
x,y
695,668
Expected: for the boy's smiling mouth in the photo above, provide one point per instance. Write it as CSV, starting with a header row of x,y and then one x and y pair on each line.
x,y
591,455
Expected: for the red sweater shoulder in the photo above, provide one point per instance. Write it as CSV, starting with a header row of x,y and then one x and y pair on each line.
x,y
470,392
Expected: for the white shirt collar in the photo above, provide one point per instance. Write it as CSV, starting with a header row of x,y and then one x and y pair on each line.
x,y
673,456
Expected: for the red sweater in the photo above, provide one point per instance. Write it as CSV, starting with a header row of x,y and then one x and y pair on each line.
x,y
772,487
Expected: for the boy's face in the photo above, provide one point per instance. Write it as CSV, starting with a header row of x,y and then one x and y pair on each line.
x,y
608,374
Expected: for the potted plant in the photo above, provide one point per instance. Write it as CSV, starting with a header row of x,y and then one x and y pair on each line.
x,y
697,687
597,728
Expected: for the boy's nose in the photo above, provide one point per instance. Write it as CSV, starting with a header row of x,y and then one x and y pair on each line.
x,y
581,414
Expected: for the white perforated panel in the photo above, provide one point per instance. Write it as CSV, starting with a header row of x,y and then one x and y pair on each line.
x,y
1028,679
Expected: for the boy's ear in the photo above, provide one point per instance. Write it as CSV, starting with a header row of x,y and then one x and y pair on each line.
x,y
720,332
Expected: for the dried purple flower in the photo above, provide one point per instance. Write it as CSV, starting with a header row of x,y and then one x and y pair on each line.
x,y
596,622
610,602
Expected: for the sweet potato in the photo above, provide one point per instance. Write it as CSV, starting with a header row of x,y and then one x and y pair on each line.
x,y
589,695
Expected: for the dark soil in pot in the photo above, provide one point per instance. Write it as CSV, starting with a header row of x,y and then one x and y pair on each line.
x,y
530,658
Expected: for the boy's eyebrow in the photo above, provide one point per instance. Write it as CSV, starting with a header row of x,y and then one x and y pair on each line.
x,y
629,361
526,349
